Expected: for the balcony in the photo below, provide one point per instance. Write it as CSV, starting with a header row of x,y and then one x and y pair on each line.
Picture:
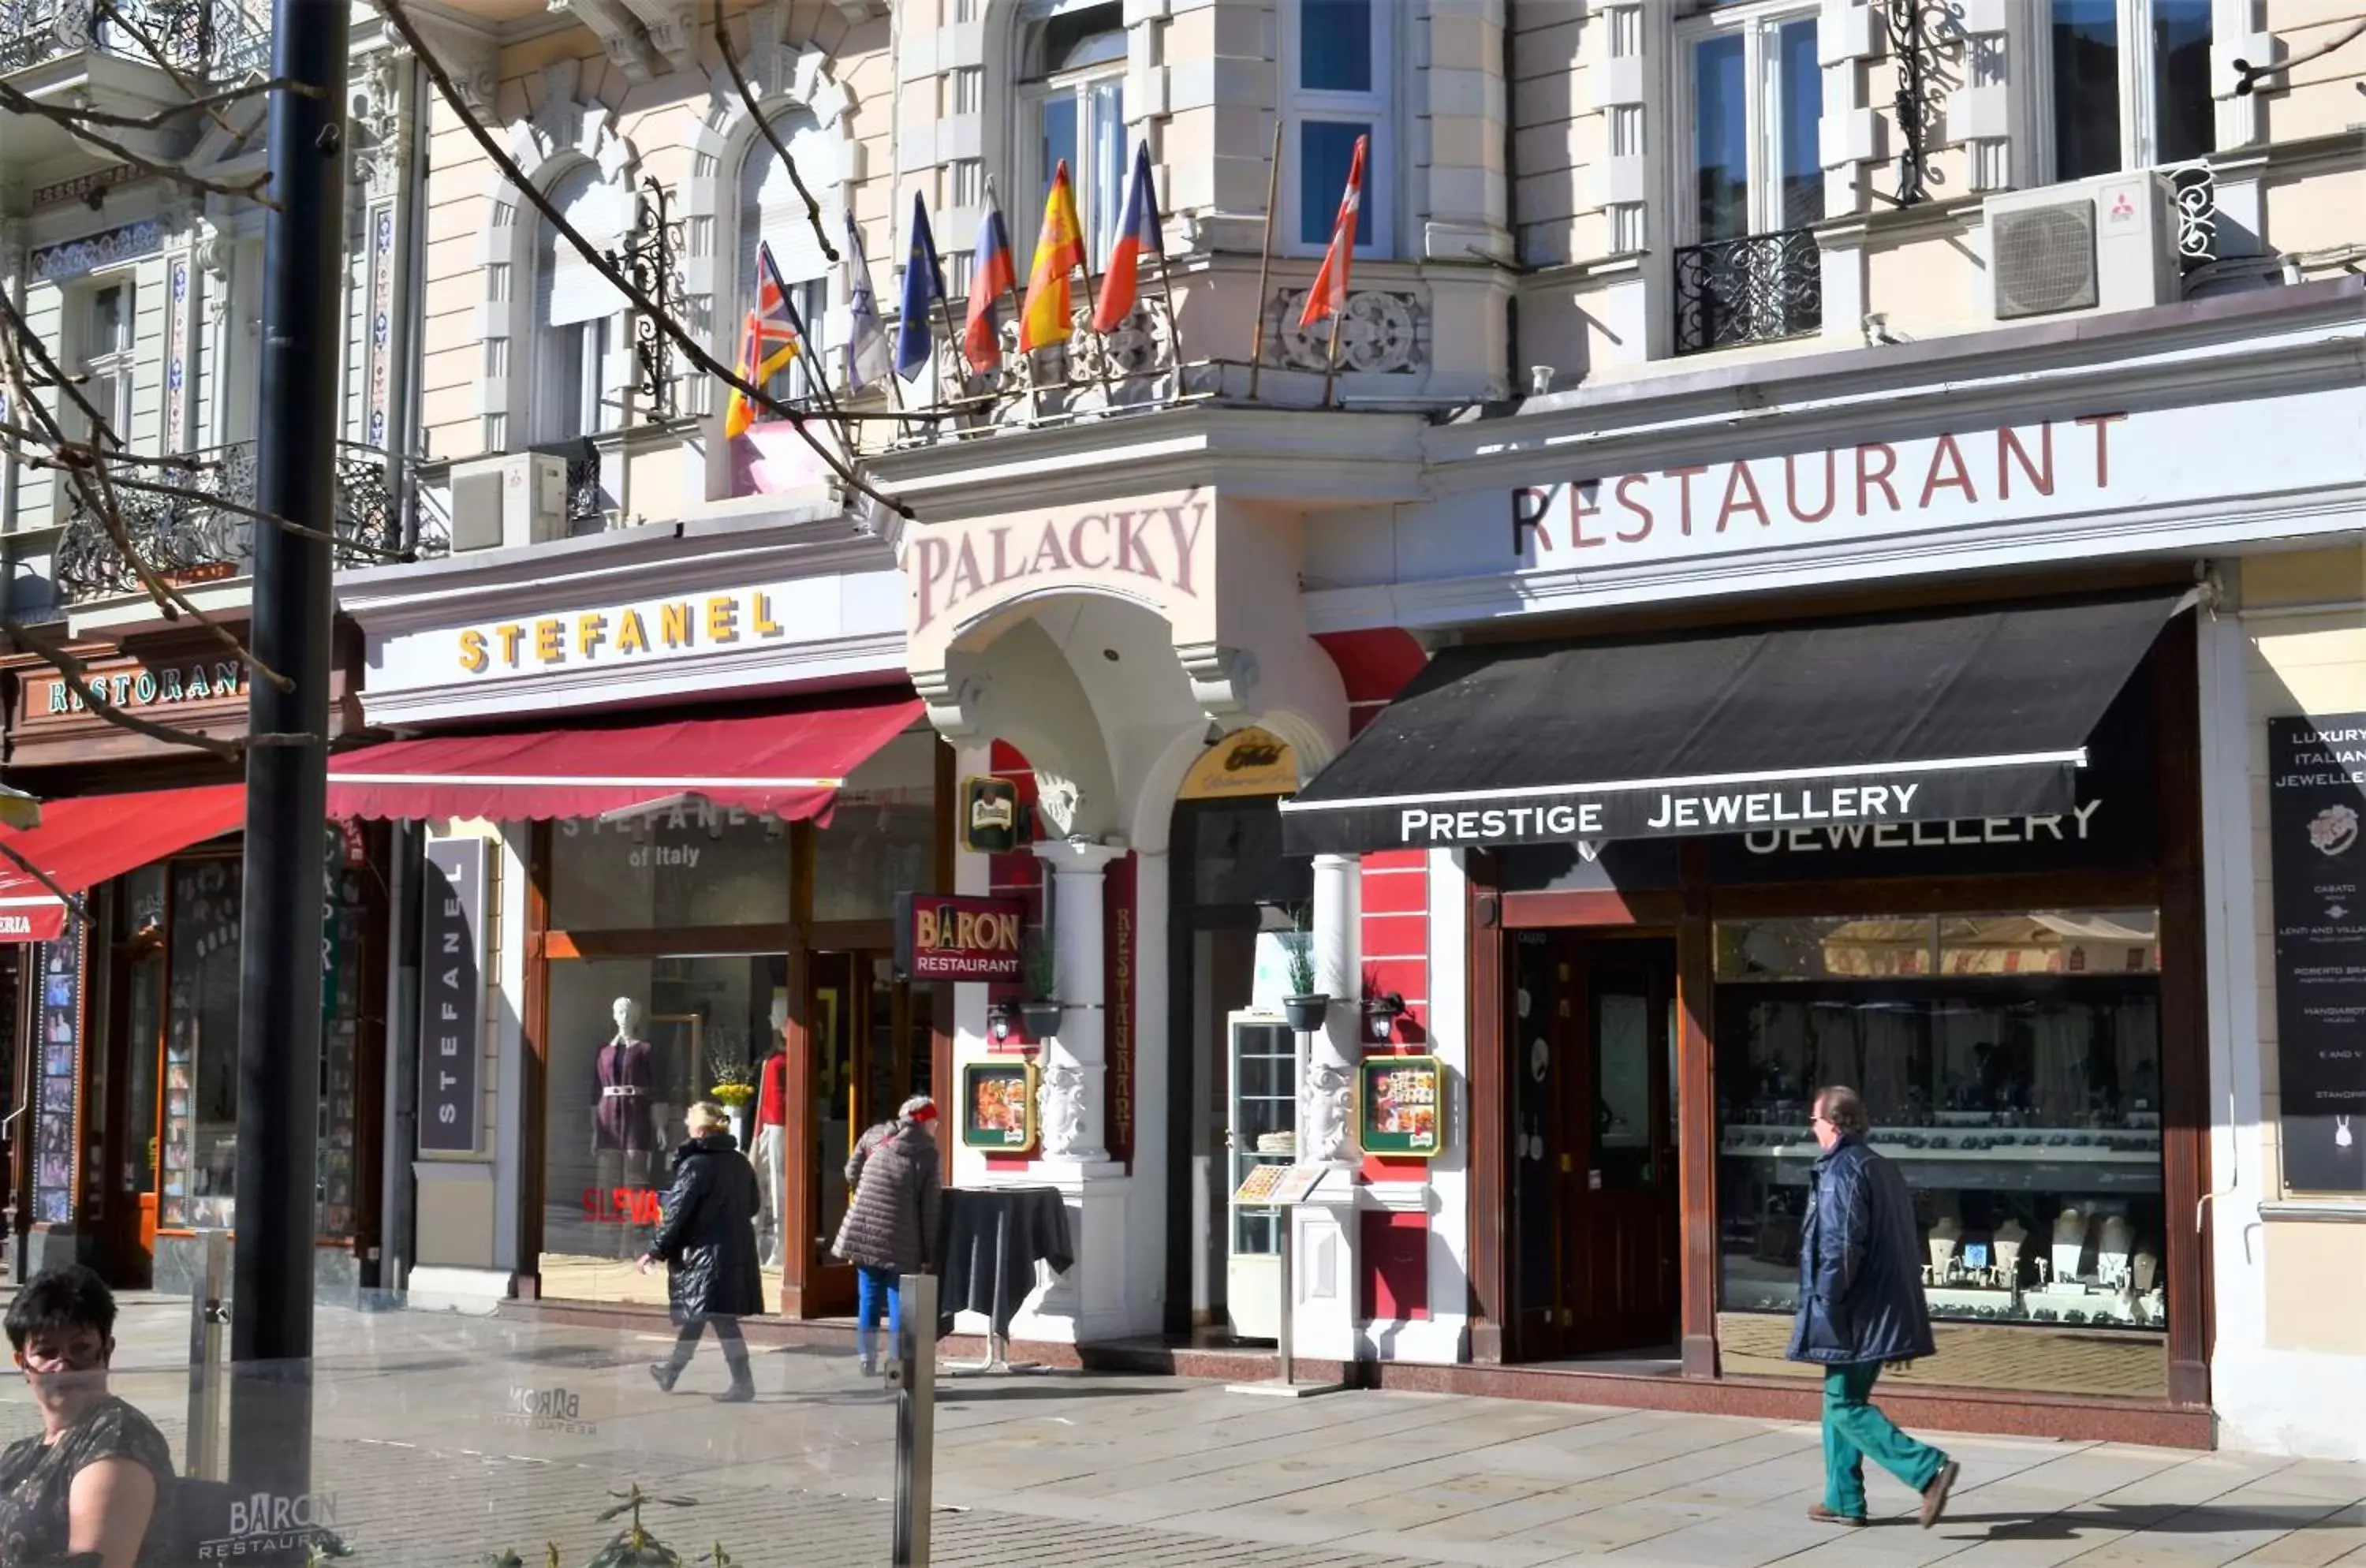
x,y
204,41
1759,289
204,537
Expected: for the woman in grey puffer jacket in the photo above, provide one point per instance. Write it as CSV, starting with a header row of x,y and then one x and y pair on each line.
x,y
891,1226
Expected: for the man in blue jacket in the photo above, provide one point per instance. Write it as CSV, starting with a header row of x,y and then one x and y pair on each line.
x,y
1860,1305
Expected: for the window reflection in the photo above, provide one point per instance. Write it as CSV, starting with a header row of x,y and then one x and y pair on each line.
x,y
2011,1068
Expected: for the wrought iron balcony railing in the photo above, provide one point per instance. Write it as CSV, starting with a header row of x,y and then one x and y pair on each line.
x,y
202,534
1753,289
209,41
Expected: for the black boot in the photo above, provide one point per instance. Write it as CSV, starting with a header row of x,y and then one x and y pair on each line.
x,y
664,1374
743,1380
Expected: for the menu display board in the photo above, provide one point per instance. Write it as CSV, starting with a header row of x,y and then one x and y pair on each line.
x,y
2316,829
1399,1106
59,1010
998,1107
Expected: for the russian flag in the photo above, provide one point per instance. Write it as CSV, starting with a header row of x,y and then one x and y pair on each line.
x,y
993,274
1139,236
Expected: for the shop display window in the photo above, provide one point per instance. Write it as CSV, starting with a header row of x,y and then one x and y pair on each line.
x,y
680,863
632,1044
2010,1064
882,838
197,1122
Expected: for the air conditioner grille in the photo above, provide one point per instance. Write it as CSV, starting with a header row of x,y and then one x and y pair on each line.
x,y
477,508
2045,260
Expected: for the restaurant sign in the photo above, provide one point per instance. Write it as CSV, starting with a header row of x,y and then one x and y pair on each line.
x,y
950,936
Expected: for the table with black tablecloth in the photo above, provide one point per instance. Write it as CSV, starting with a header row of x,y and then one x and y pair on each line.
x,y
992,1238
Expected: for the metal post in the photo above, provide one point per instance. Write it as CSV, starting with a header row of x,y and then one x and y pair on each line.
x,y
287,767
913,1376
209,1313
1289,1301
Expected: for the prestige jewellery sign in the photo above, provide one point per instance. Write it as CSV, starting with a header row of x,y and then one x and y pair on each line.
x,y
1684,809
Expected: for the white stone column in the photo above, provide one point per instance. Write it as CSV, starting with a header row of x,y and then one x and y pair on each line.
x,y
1076,1061
1324,1234
1325,1090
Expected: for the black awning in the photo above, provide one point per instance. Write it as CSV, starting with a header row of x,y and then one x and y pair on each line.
x,y
1897,720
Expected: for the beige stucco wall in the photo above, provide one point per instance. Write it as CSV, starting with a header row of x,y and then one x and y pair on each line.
x,y
2305,622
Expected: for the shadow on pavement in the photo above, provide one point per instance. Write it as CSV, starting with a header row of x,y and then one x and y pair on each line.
x,y
2161,1519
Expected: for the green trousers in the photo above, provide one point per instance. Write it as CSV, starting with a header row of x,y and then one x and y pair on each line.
x,y
1855,1431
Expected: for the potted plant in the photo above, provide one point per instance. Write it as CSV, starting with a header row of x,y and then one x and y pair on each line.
x,y
734,1087
1304,1007
1039,1010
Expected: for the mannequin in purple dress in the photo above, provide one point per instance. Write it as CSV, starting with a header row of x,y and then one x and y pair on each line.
x,y
627,1117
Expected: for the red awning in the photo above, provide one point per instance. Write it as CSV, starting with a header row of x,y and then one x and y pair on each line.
x,y
789,765
84,840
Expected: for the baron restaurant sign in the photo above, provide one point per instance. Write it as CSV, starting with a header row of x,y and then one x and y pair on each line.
x,y
947,936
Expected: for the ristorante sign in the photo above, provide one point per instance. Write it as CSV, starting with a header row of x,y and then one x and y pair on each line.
x,y
1942,480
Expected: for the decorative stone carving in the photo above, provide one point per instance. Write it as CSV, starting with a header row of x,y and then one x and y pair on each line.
x,y
620,32
1385,333
1323,1110
1060,1104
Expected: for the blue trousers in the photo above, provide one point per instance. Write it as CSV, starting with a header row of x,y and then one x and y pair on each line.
x,y
1854,1430
874,1294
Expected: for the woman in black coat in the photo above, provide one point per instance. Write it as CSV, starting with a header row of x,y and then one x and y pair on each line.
x,y
707,1243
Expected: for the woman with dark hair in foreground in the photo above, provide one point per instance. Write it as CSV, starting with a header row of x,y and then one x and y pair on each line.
x,y
83,1493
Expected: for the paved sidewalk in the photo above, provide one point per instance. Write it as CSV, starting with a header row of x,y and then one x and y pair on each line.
x,y
423,1435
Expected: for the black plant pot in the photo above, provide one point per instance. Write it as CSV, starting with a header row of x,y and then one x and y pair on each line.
x,y
1305,1014
1042,1018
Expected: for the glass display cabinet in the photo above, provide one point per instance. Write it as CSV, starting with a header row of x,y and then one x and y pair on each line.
x,y
1262,1131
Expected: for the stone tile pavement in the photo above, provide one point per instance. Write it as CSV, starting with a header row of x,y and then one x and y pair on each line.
x,y
445,1437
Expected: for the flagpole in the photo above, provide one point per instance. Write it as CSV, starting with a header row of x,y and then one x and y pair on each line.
x,y
1084,266
1174,323
1331,356
1264,258
961,361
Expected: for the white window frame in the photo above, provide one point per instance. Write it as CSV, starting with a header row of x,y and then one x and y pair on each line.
x,y
1761,72
1376,108
110,370
588,403
1099,213
2139,93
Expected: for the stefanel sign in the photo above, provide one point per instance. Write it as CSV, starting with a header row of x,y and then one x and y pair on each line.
x,y
949,936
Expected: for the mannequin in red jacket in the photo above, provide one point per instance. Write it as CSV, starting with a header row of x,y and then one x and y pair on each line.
x,y
766,1150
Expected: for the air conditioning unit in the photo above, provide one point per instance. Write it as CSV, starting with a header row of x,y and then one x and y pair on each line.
x,y
2108,243
499,503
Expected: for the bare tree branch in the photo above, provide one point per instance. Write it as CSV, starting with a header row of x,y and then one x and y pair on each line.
x,y
92,484
764,129
79,123
79,116
691,349
76,675
223,503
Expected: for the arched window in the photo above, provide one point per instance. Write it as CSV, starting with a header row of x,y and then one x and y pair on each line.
x,y
771,212
1071,107
574,311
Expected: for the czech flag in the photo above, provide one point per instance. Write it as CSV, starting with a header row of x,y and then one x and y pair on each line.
x,y
1329,295
771,341
991,276
1059,250
924,285
1139,235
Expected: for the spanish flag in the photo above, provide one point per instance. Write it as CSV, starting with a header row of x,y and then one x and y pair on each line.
x,y
1059,250
769,341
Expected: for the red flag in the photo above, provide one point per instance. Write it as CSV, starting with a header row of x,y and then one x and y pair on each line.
x,y
1139,234
991,276
1329,295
